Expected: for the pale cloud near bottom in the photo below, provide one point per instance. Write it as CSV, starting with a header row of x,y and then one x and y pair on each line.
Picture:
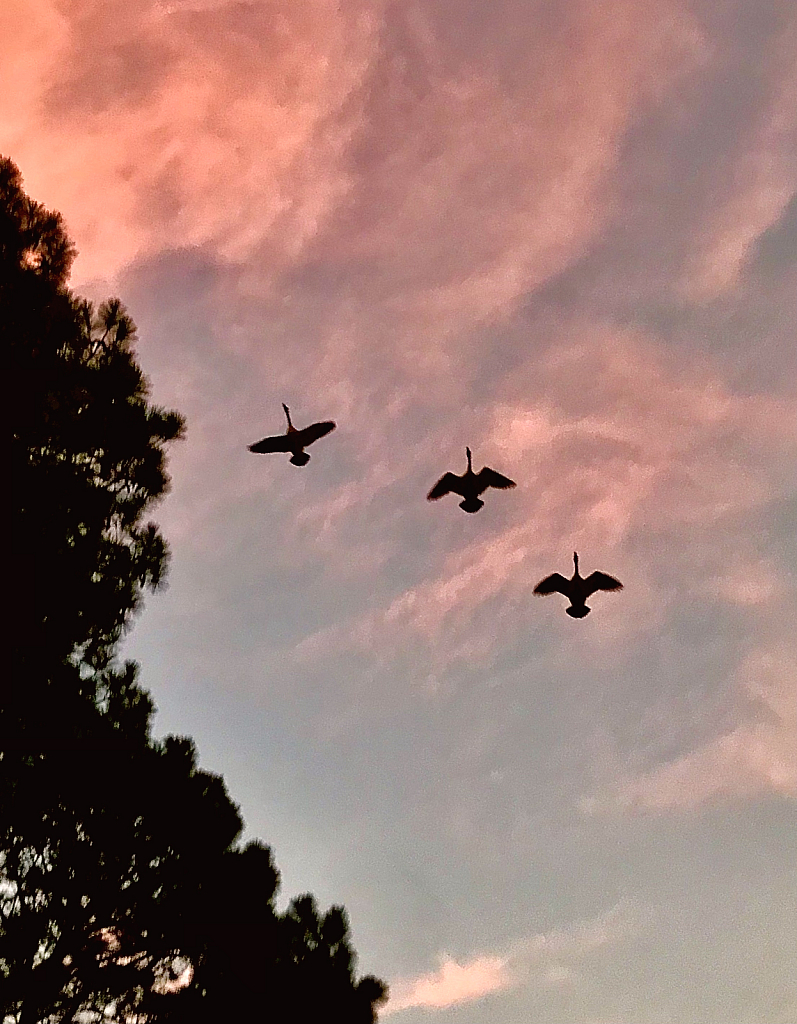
x,y
451,983
544,959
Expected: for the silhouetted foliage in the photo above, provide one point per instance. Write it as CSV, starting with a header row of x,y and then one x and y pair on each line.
x,y
87,445
251,963
102,853
122,889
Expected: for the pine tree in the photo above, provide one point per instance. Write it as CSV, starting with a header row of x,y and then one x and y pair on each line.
x,y
123,889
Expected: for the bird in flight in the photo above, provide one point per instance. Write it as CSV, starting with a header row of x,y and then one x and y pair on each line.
x,y
577,589
470,485
293,440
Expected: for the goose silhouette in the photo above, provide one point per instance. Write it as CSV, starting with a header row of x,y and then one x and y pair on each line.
x,y
577,589
293,440
469,486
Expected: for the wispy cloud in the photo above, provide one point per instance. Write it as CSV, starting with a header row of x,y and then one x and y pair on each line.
x,y
756,187
612,442
758,756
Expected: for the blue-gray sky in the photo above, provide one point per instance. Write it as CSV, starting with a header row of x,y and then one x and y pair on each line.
x,y
561,232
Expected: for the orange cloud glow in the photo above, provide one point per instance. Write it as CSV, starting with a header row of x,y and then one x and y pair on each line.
x,y
159,124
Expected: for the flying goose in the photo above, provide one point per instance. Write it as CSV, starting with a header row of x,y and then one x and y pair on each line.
x,y
293,440
470,485
577,589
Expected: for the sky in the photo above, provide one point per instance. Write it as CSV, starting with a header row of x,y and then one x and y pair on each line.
x,y
563,233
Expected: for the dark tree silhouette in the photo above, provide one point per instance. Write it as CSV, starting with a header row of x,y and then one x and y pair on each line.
x,y
253,964
87,449
101,854
122,888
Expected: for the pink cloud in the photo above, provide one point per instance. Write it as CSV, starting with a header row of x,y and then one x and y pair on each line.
x,y
233,125
237,134
747,583
610,439
541,960
763,177
452,984
492,191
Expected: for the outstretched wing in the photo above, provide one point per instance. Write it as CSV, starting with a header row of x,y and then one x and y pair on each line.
x,y
312,433
553,584
489,478
448,482
271,444
600,581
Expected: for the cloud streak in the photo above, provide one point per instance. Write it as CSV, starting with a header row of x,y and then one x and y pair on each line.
x,y
756,757
763,180
611,443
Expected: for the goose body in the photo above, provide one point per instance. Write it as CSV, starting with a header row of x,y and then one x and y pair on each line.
x,y
469,486
293,440
578,588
